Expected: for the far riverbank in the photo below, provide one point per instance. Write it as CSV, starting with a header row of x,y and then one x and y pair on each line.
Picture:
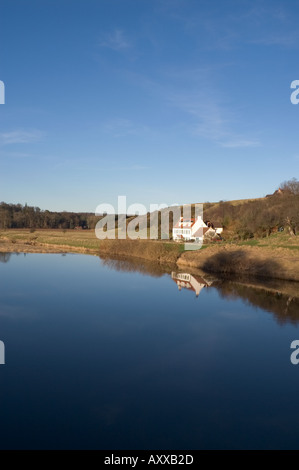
x,y
274,262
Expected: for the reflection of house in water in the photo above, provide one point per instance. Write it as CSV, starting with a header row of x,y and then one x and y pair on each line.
x,y
191,282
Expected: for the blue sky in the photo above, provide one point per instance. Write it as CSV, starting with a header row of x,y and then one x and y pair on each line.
x,y
164,101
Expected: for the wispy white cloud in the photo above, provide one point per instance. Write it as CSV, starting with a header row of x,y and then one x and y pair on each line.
x,y
212,119
20,137
115,40
205,110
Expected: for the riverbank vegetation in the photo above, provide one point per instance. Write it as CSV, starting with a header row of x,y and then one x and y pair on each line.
x,y
260,236
85,241
277,257
243,220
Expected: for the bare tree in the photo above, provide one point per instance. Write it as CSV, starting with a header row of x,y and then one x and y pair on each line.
x,y
291,186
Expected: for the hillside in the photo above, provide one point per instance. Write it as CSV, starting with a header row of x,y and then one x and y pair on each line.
x,y
241,219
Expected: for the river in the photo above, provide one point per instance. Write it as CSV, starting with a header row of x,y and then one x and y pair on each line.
x,y
111,354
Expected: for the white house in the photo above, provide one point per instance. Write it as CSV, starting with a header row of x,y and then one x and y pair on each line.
x,y
193,229
189,229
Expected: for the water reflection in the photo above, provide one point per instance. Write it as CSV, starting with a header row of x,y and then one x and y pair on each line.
x,y
281,298
4,257
282,301
136,265
109,359
190,282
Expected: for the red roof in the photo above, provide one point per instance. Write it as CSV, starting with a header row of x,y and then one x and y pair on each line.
x,y
190,222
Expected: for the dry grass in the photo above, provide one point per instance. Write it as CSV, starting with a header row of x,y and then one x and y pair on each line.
x,y
48,240
237,202
163,252
273,262
85,241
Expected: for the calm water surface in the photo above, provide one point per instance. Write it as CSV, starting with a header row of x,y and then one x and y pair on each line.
x,y
108,355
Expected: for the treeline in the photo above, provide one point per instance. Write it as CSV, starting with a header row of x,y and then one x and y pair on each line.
x,y
261,217
18,216
256,218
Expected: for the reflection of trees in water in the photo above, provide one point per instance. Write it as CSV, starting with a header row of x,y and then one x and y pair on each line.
x,y
284,306
277,297
136,265
5,257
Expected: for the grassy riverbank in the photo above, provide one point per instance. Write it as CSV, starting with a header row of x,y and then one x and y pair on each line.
x,y
276,256
48,241
85,241
275,262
